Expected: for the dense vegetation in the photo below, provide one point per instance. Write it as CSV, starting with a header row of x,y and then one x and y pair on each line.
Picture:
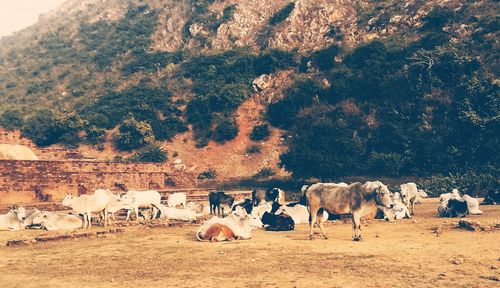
x,y
421,109
221,83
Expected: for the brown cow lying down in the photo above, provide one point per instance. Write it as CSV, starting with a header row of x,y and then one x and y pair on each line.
x,y
217,232
232,227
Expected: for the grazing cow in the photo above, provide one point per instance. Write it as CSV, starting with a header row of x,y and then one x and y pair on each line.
x,y
409,194
173,213
281,222
357,199
86,204
492,198
453,208
216,199
13,219
238,225
472,205
299,213
177,199
146,198
271,195
58,221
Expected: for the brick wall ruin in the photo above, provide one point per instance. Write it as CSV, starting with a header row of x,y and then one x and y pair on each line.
x,y
36,181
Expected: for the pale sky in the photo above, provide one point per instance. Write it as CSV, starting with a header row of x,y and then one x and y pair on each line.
x,y
18,14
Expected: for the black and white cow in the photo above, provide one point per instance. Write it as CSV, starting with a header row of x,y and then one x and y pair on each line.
x,y
281,222
218,198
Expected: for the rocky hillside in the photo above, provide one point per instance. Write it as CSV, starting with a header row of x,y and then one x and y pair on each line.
x,y
182,72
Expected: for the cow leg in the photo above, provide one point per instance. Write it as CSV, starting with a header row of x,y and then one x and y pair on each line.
x,y
319,216
312,219
89,219
84,225
413,208
136,210
356,225
128,214
105,217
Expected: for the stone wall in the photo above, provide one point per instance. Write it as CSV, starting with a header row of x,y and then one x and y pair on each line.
x,y
36,181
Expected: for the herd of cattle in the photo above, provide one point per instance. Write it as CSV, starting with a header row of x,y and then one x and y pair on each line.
x,y
267,209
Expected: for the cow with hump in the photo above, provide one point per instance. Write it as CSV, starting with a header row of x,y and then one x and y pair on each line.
x,y
357,199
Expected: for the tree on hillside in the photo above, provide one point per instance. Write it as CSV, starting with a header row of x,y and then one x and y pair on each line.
x,y
12,119
134,134
38,127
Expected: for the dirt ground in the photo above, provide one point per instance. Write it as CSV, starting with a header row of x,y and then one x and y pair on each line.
x,y
406,253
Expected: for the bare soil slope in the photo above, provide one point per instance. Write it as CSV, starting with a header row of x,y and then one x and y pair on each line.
x,y
397,254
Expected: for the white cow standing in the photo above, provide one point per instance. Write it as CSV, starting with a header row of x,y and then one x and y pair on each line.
x,y
86,204
409,193
143,199
115,204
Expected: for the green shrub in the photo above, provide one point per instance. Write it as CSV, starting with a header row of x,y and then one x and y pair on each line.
x,y
152,153
284,112
144,103
208,174
260,132
324,58
437,18
45,128
253,149
472,183
282,14
134,134
226,130
265,172
95,135
12,119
